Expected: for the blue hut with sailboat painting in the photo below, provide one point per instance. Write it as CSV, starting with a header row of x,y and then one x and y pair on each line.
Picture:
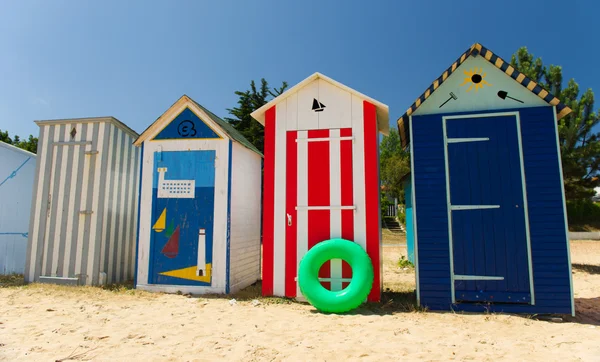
x,y
199,218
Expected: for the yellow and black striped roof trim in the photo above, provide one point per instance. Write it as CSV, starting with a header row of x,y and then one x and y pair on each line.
x,y
475,50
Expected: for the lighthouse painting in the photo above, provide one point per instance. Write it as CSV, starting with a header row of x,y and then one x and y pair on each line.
x,y
182,217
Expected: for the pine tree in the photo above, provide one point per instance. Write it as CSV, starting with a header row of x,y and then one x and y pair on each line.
x,y
580,145
249,101
29,145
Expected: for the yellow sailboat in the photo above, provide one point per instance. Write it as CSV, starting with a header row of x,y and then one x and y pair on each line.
x,y
160,224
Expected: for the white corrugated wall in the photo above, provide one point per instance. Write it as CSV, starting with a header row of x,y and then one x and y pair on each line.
x,y
83,213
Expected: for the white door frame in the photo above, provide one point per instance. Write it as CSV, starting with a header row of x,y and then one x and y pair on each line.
x,y
451,208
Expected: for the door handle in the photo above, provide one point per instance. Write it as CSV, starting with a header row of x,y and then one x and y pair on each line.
x,y
289,220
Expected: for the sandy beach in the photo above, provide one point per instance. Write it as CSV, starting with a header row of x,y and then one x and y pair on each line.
x,y
50,323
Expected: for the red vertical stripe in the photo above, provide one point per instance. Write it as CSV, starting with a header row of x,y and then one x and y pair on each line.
x,y
372,195
318,194
291,202
268,202
347,194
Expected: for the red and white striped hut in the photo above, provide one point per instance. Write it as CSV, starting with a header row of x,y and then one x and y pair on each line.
x,y
321,180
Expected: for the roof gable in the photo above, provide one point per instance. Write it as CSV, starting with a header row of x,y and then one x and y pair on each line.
x,y
187,125
382,109
479,80
204,122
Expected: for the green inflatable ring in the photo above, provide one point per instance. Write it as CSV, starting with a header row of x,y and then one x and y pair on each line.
x,y
346,299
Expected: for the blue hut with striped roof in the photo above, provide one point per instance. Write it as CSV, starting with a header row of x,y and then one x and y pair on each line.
x,y
489,226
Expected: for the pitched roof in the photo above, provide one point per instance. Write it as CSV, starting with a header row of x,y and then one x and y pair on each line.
x,y
382,109
231,132
17,149
475,50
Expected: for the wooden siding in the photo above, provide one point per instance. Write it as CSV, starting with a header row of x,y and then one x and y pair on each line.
x,y
551,269
84,202
245,218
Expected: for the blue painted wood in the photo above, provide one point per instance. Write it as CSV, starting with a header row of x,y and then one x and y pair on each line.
x,y
187,125
488,242
548,238
228,257
187,214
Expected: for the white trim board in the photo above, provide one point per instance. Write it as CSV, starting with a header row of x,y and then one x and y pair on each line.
x,y
477,277
473,207
461,140
523,186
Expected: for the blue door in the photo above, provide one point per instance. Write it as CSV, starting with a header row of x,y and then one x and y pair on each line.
x,y
181,241
491,257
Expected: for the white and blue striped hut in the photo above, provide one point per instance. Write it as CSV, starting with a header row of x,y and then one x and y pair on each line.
x,y
84,208
489,224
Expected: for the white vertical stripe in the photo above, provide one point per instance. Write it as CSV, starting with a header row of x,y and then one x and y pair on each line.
x,y
121,239
108,171
131,226
335,198
95,198
358,172
134,209
302,215
525,208
127,184
113,231
449,210
279,216
72,208
82,206
39,208
62,175
52,197
292,112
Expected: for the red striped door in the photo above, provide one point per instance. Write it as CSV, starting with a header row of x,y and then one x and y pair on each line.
x,y
319,200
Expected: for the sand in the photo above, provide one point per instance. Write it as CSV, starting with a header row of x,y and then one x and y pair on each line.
x,y
49,323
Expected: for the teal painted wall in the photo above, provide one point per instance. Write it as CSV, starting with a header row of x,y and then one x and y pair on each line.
x,y
410,240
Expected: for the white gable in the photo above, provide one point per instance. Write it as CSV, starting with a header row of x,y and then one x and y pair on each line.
x,y
478,85
319,102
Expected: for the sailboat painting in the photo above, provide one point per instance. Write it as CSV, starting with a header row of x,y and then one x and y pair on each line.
x,y
159,225
182,216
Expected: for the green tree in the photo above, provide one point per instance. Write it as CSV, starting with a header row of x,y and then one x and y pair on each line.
x,y
579,144
249,101
394,163
29,145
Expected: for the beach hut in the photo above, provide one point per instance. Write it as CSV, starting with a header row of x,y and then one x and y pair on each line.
x,y
321,180
17,172
200,193
83,213
490,229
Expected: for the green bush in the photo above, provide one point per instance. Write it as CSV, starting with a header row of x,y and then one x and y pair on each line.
x,y
401,217
403,262
581,212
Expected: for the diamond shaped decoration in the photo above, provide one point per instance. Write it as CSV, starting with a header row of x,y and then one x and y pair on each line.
x,y
73,133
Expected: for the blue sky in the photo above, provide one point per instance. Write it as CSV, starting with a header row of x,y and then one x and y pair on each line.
x,y
133,59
